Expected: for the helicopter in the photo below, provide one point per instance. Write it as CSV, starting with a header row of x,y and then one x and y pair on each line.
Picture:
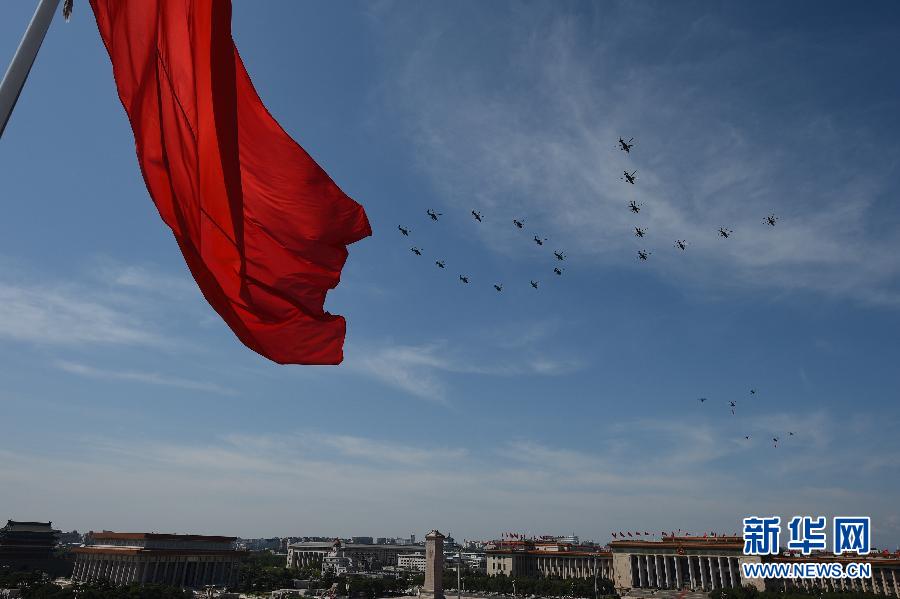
x,y
643,254
558,270
539,241
519,223
534,284
634,206
440,263
726,233
680,244
477,215
431,213
771,220
630,178
416,251
498,287
639,232
626,146
403,230
559,255
464,279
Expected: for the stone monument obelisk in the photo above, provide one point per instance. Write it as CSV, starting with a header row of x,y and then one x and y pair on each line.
x,y
434,566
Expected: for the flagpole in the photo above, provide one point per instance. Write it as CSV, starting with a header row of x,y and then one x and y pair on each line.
x,y
20,66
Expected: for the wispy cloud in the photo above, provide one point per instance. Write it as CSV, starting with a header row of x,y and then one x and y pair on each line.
x,y
420,369
143,278
708,480
543,146
67,315
149,378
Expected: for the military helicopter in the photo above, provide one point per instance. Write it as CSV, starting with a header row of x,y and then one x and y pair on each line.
x,y
626,146
559,255
519,223
639,232
733,406
403,230
431,213
464,279
534,284
440,263
752,391
477,215
726,233
539,241
747,437
416,251
630,178
643,254
701,399
634,206
776,441
498,287
680,244
558,270
771,220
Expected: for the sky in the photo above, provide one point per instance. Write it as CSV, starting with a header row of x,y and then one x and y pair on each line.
x,y
126,404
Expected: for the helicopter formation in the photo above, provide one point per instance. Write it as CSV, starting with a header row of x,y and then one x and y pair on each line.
x,y
643,255
733,406
519,223
635,208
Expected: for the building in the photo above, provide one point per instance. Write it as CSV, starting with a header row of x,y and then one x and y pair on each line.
x,y
367,557
144,558
680,563
540,559
706,564
32,546
885,578
27,541
413,562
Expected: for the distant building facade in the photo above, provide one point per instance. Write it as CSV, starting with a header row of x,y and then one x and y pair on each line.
x,y
413,562
32,546
145,558
366,556
542,559
708,564
679,563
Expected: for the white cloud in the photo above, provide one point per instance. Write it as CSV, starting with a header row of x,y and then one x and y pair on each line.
x,y
542,146
150,378
68,315
419,369
331,483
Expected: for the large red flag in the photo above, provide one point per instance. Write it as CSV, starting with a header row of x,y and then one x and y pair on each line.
x,y
262,227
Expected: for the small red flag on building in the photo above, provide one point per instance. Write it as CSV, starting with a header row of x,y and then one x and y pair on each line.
x,y
261,226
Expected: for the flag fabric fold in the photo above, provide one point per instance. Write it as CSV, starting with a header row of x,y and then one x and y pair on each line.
x,y
262,227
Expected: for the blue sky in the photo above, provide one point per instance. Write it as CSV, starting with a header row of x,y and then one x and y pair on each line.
x,y
127,405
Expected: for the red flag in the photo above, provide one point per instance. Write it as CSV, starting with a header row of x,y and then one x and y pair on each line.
x,y
261,226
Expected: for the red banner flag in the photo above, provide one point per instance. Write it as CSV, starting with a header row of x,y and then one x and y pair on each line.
x,y
261,226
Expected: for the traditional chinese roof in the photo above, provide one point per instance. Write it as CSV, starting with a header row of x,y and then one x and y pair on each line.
x,y
107,535
34,527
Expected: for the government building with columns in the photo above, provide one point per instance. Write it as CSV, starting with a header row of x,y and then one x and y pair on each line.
x,y
150,558
694,563
524,558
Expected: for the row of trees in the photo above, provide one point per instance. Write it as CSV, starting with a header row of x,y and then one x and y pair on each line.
x,y
551,586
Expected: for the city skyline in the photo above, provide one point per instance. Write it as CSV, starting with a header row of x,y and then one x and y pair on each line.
x,y
128,405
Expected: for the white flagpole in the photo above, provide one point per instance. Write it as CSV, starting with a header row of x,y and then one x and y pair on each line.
x,y
17,73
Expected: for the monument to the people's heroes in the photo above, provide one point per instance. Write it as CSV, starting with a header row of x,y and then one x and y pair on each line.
x,y
434,566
